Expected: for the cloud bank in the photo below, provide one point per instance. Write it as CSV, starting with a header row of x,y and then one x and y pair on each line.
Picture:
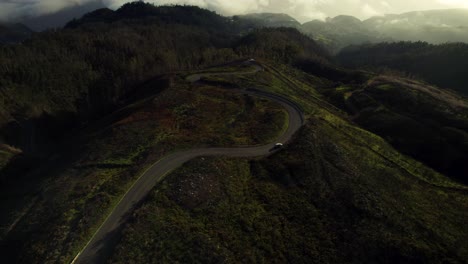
x,y
14,9
303,10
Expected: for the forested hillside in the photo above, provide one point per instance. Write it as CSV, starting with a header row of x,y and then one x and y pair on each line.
x,y
445,65
285,45
88,68
79,73
268,20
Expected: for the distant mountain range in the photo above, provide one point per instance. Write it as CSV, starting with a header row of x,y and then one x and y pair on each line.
x,y
434,26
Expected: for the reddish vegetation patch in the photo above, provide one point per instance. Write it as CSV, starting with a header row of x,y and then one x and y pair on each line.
x,y
165,117
138,116
160,114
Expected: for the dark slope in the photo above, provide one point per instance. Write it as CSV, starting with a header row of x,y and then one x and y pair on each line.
x,y
445,65
14,33
62,17
140,13
420,120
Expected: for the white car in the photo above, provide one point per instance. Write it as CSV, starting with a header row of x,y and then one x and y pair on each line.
x,y
278,145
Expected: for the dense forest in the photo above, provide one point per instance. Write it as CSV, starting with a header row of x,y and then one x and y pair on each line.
x,y
445,65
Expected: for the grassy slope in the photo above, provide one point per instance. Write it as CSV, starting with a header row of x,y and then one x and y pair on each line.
x,y
336,194
75,196
425,122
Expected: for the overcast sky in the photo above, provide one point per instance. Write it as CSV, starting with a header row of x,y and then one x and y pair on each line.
x,y
303,10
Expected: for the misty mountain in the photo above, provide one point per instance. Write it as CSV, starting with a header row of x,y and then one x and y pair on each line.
x,y
137,13
60,18
434,26
259,20
438,18
338,32
12,33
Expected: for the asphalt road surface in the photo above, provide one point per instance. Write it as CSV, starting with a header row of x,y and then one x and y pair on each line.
x,y
97,250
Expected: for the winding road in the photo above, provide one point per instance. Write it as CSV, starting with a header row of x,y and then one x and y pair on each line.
x,y
99,247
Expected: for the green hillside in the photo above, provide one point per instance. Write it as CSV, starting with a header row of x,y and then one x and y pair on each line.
x,y
420,120
337,194
444,65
